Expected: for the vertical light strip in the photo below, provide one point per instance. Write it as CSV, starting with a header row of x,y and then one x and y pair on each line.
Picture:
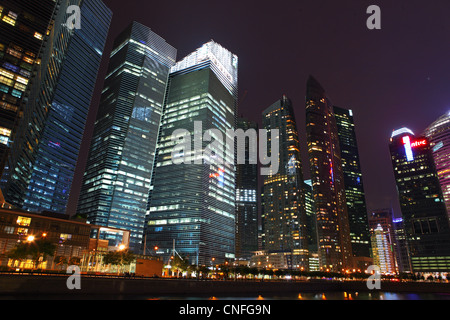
x,y
408,149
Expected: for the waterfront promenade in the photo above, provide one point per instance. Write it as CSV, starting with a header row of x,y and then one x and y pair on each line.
x,y
15,285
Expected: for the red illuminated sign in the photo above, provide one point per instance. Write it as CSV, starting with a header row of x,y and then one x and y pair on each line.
x,y
419,143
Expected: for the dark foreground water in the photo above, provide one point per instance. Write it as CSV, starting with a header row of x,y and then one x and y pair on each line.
x,y
318,296
333,296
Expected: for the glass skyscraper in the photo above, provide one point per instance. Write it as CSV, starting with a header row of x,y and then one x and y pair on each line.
x,y
118,171
43,156
333,231
284,212
192,202
311,217
246,199
423,209
23,30
354,187
439,135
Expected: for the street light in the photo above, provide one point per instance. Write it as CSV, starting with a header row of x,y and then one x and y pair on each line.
x,y
30,238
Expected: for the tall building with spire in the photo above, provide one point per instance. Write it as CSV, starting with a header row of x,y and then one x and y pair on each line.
x,y
118,171
439,135
192,198
284,211
43,157
333,230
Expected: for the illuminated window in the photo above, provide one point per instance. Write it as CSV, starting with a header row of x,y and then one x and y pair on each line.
x,y
65,236
28,60
22,231
8,82
14,53
20,86
7,74
23,221
10,18
39,36
22,80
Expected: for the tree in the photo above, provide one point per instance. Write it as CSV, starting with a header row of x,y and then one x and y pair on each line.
x,y
180,263
37,250
119,258
60,261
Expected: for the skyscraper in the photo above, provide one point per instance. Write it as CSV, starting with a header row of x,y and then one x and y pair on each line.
x,y
423,209
118,171
192,200
383,218
439,135
43,156
383,256
23,30
311,216
353,181
246,199
334,242
284,211
402,248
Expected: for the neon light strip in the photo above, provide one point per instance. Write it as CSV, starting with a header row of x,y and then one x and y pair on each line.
x,y
408,149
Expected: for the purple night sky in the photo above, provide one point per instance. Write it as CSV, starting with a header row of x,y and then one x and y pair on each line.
x,y
394,77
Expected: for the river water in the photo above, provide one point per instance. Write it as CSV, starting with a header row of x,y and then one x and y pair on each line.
x,y
388,296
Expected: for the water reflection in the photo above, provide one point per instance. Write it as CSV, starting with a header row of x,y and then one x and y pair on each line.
x,y
376,295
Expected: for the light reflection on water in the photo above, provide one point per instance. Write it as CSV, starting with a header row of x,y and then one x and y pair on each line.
x,y
322,296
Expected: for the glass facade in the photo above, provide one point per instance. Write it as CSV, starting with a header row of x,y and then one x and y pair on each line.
x,y
333,231
354,187
23,30
118,171
192,204
439,135
311,218
423,209
246,200
284,212
44,154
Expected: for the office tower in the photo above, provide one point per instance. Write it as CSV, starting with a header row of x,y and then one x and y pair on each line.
x,y
23,29
118,171
45,151
384,218
423,209
284,214
438,133
402,248
192,200
383,256
310,217
246,199
334,243
354,187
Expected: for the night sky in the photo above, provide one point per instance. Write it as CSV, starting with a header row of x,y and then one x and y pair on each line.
x,y
394,77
